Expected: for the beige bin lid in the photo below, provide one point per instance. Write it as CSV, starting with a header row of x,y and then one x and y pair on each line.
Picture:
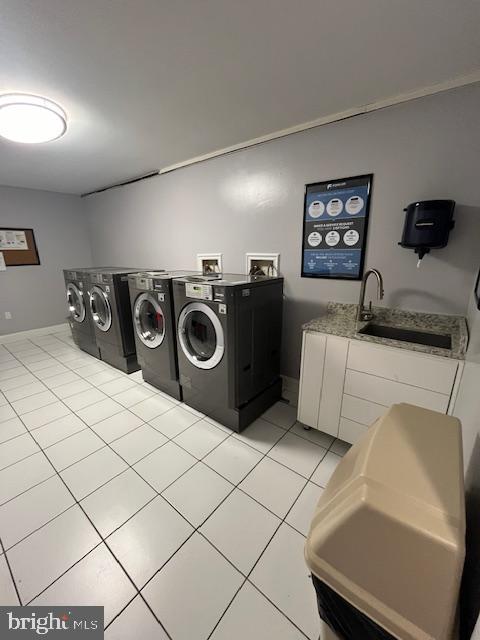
x,y
388,534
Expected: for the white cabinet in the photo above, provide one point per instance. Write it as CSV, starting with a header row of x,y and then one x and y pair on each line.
x,y
346,384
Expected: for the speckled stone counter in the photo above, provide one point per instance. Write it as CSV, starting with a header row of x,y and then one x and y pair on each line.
x,y
340,320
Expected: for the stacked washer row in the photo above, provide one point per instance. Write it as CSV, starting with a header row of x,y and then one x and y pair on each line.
x,y
213,341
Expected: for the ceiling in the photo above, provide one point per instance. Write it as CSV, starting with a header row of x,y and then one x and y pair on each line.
x,y
150,83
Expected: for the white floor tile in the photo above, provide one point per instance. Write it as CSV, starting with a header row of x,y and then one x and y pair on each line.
x,y
240,528
32,355
34,402
314,435
99,411
302,511
23,475
17,449
283,577
252,616
273,485
137,376
72,388
78,362
200,438
53,370
233,459
40,417
137,444
198,580
152,407
8,595
104,376
136,621
11,428
325,469
61,379
8,363
174,421
297,454
17,381
340,447
118,385
87,475
97,580
40,559
90,369
147,540
115,502
117,425
195,412
8,374
84,399
6,413
32,509
282,414
164,465
24,391
72,449
261,435
3,400
134,395
57,430
219,425
197,493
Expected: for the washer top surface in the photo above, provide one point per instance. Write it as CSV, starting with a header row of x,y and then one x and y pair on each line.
x,y
163,275
230,279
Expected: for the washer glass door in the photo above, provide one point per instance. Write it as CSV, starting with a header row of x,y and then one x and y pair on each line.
x,y
100,307
200,334
149,320
76,304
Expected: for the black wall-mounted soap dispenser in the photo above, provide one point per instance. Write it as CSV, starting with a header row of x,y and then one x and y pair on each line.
x,y
427,225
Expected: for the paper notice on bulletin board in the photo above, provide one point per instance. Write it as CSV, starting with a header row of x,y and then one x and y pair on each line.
x,y
13,240
335,221
3,266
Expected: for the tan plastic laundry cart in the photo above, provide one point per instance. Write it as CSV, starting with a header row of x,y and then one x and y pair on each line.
x,y
387,539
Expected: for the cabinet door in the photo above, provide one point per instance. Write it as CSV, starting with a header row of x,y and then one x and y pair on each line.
x,y
311,377
332,389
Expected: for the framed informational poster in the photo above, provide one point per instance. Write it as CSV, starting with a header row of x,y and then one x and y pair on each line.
x,y
18,247
335,223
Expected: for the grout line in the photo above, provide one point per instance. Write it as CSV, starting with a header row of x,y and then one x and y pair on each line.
x,y
11,572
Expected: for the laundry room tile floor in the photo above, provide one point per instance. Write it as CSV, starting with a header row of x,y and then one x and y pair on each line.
x,y
112,493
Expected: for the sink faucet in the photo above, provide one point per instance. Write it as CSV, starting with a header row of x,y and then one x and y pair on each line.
x,y
363,313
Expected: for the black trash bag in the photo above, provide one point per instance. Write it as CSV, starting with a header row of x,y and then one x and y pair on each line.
x,y
343,619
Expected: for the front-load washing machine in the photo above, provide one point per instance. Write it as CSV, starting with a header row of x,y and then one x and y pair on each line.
x,y
112,319
229,332
151,300
77,285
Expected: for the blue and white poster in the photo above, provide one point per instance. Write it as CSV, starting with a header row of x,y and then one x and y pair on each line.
x,y
335,221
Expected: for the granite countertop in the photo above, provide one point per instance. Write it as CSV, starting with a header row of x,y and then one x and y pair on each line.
x,y
340,320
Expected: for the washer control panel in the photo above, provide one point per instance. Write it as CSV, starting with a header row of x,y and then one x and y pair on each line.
x,y
199,291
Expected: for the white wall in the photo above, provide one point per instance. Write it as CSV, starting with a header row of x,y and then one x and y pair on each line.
x,y
252,201
35,295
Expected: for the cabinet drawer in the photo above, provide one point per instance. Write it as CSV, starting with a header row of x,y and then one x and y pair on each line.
x,y
388,392
362,411
351,431
428,372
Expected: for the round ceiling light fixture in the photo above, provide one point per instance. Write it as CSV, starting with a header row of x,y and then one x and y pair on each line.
x,y
30,119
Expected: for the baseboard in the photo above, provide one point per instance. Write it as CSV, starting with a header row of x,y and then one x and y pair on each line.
x,y
30,333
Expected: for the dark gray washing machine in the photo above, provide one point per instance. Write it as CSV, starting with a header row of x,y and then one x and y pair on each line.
x,y
112,320
77,289
229,331
151,298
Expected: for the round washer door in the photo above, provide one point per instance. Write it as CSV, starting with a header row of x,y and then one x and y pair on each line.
x,y
76,304
100,308
149,320
200,334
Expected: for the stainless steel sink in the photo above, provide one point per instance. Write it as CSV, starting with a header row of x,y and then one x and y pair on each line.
x,y
408,335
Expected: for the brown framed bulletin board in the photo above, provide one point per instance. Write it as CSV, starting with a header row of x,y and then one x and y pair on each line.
x,y
18,247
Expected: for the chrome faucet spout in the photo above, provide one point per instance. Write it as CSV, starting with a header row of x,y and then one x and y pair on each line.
x,y
363,313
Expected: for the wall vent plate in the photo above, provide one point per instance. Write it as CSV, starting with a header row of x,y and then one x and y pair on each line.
x,y
267,264
210,263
